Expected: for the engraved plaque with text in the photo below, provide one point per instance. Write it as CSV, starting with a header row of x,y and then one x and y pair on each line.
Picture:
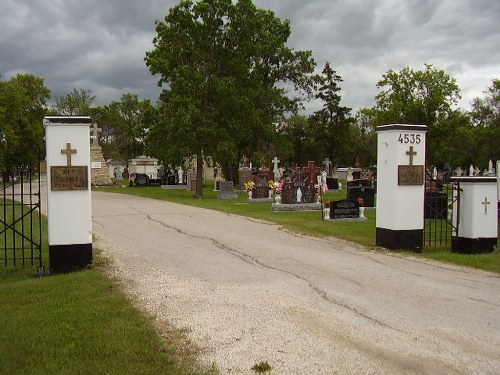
x,y
410,174
69,178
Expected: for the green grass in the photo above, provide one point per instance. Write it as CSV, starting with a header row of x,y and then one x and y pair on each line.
x,y
82,323
78,323
306,223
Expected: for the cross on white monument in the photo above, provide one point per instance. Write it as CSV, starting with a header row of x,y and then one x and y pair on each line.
x,y
327,163
485,203
411,154
68,151
95,130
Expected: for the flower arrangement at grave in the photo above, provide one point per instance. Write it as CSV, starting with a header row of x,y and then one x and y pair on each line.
x,y
279,187
361,202
320,189
249,186
276,188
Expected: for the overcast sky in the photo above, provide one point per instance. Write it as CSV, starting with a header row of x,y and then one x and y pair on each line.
x,y
100,45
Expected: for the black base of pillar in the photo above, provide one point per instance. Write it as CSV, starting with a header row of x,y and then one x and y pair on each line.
x,y
68,258
412,240
473,245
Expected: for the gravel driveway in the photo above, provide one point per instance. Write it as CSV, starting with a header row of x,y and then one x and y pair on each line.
x,y
249,291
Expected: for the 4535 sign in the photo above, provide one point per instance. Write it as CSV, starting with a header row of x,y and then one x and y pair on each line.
x,y
409,138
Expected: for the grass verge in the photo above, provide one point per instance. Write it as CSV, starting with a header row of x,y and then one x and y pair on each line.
x,y
307,223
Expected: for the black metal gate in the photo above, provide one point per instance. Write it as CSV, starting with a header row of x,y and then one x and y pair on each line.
x,y
441,196
20,217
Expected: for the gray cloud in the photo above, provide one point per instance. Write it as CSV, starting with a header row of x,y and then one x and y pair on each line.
x,y
101,45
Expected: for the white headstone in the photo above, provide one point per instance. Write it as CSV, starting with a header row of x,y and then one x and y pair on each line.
x,y
180,173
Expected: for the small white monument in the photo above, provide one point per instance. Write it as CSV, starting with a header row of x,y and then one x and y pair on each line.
x,y
69,196
400,186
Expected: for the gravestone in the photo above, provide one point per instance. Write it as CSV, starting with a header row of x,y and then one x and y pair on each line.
x,y
171,179
244,176
311,172
227,190
332,183
261,189
327,163
359,183
276,170
297,192
363,196
344,209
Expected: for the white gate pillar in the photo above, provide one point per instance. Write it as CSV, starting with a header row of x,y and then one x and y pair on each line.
x,y
400,186
69,196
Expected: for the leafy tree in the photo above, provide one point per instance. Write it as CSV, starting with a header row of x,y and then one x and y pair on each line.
x,y
297,140
417,97
22,108
77,102
485,116
226,70
123,129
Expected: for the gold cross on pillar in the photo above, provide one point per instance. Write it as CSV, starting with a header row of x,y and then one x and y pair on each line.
x,y
68,151
485,203
411,154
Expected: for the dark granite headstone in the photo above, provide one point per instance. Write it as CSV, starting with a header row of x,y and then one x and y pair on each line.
x,y
297,192
364,196
344,209
332,183
359,183
261,189
171,179
244,175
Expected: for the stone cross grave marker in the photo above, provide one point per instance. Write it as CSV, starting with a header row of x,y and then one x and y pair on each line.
x,y
95,130
312,172
276,170
327,163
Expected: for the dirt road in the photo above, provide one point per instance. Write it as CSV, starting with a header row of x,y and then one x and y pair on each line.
x,y
248,291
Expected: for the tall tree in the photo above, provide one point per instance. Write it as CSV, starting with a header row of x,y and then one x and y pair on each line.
x,y
224,67
332,123
76,102
22,108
